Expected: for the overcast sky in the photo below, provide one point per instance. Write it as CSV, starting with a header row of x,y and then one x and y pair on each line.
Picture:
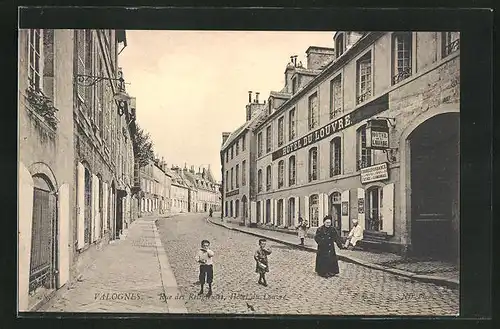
x,y
191,86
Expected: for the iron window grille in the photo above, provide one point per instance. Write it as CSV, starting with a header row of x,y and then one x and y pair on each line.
x,y
452,43
402,56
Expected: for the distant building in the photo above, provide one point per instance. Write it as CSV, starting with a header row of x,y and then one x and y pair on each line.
x,y
179,191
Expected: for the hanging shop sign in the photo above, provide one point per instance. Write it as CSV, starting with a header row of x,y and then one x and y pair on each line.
x,y
374,173
362,113
377,134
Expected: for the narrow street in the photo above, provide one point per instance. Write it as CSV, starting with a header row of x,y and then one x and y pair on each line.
x,y
294,288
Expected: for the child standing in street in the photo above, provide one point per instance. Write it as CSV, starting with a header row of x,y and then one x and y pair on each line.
x,y
262,265
205,259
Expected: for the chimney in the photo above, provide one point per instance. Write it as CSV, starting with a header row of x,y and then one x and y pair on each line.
x,y
257,97
192,169
249,96
225,136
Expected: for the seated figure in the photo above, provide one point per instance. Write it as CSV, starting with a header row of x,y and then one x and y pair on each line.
x,y
355,235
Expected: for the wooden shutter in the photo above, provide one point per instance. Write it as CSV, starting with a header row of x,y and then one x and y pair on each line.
x,y
25,222
253,212
95,197
388,209
320,207
361,207
80,201
297,211
63,236
344,219
306,210
105,206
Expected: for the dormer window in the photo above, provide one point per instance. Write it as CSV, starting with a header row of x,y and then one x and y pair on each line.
x,y
271,103
339,45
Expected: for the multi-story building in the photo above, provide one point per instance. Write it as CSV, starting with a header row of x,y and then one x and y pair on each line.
x,y
206,193
155,185
237,161
179,191
371,132
76,156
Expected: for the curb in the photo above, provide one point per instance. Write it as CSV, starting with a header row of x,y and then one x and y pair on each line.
x,y
450,283
167,277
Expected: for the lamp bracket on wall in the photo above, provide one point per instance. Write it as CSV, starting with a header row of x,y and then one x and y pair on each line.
x,y
90,80
391,154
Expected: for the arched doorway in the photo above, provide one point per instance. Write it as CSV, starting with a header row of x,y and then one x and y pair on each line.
x,y
244,208
434,181
43,237
334,208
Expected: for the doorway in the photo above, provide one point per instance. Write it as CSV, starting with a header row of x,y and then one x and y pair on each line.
x,y
43,236
373,220
244,208
259,215
268,211
434,170
119,215
279,212
334,209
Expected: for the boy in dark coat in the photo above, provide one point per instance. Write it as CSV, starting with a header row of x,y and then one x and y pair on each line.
x,y
262,265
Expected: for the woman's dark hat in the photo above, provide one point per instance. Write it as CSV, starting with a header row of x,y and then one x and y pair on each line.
x,y
327,217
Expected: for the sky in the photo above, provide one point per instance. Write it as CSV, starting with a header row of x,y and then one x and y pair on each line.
x,y
190,86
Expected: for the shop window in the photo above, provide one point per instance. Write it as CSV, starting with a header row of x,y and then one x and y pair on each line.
x,y
374,201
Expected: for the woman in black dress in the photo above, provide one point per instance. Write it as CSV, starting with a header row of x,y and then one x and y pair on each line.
x,y
326,258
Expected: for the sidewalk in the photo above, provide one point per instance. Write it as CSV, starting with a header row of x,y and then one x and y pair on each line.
x,y
130,275
437,272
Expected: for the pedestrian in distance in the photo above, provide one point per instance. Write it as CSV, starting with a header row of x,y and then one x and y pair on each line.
x,y
262,264
326,258
205,259
302,230
210,212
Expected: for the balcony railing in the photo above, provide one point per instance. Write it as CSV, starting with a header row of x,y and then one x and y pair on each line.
x,y
364,96
451,47
402,74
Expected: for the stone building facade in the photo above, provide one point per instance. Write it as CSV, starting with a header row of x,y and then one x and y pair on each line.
x,y
368,137
76,156
179,192
237,160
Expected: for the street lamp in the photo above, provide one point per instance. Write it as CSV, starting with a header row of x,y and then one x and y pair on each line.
x,y
121,98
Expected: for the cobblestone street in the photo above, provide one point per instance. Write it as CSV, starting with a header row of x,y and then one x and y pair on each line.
x,y
294,287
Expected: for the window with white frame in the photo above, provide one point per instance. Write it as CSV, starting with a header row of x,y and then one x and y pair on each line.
x,y
336,101
294,85
313,164
314,210
243,173
335,156
364,78
364,154
313,111
268,139
451,42
260,146
268,178
35,45
259,180
232,178
291,124
281,173
291,170
281,131
401,55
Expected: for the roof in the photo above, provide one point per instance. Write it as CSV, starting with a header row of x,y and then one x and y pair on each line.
x,y
280,94
307,71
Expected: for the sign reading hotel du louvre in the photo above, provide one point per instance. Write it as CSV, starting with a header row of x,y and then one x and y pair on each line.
x,y
377,134
364,112
374,173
